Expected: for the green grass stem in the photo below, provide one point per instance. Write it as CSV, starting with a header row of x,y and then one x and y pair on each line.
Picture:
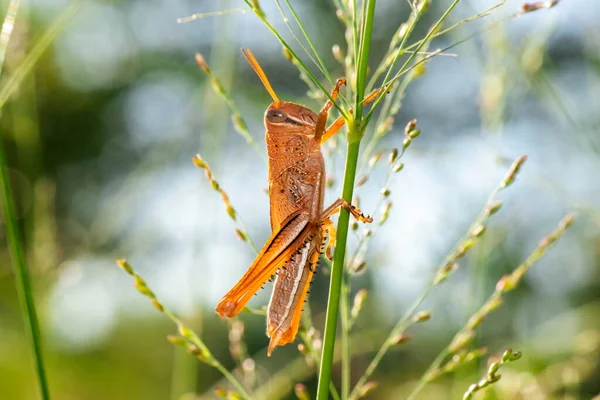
x,y
36,52
317,60
188,338
427,37
345,336
22,277
261,15
355,133
15,241
335,284
507,283
445,268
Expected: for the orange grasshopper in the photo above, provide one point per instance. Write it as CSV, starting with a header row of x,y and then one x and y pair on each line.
x,y
299,223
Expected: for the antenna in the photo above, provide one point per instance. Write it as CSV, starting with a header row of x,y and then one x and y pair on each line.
x,y
261,74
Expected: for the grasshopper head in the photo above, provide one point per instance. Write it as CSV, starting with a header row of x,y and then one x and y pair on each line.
x,y
285,117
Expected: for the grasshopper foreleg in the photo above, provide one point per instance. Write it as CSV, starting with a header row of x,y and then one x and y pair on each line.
x,y
331,232
338,123
324,113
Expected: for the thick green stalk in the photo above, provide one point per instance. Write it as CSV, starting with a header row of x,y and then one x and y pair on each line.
x,y
22,278
337,268
346,355
363,62
355,134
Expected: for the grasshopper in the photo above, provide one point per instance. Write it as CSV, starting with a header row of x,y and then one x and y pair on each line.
x,y
299,223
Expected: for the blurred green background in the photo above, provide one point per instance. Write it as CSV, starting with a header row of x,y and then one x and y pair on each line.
x,y
99,140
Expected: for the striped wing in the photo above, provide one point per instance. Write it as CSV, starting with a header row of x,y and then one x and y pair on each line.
x,y
280,247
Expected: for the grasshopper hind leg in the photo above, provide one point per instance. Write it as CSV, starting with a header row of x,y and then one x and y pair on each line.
x,y
327,225
290,292
339,203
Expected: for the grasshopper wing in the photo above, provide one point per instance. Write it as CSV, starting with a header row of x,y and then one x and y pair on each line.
x,y
280,247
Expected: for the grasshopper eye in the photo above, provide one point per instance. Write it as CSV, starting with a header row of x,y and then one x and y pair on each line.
x,y
276,116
